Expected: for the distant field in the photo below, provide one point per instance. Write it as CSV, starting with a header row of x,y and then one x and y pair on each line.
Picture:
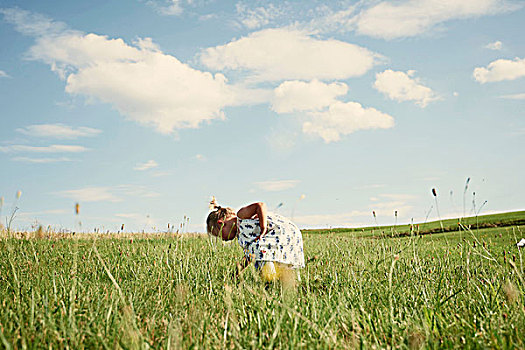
x,y
360,288
515,218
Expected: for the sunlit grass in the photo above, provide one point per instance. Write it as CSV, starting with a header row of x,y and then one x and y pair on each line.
x,y
173,291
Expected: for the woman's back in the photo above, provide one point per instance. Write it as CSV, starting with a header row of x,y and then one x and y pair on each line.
x,y
282,242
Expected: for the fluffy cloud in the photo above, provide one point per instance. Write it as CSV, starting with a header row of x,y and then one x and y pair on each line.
x,y
167,7
43,149
277,185
155,89
3,74
292,96
497,45
500,70
150,164
41,160
384,206
90,194
285,54
107,194
328,117
53,149
32,24
257,17
388,208
59,131
401,86
388,20
514,96
353,218
345,118
138,80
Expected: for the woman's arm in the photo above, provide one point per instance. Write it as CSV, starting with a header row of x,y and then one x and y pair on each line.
x,y
252,211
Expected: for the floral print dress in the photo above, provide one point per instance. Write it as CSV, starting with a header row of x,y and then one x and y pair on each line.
x,y
283,241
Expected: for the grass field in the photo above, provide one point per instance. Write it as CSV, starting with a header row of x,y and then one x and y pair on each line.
x,y
456,289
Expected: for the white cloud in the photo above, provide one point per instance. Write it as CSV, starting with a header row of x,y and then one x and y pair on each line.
x,y
139,81
292,96
282,140
328,117
371,186
134,191
286,54
208,17
160,173
514,96
259,16
167,8
4,74
108,194
389,20
384,206
46,212
32,24
41,160
345,118
150,164
500,70
334,20
388,209
401,86
353,218
59,131
276,185
43,149
497,45
398,197
90,194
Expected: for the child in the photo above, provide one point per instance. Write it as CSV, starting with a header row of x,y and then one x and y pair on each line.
x,y
272,241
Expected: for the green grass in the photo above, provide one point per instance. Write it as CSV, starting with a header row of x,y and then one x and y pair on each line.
x,y
454,290
482,221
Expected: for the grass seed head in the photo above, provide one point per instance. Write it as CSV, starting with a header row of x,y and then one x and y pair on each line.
x,y
512,294
434,192
40,232
416,339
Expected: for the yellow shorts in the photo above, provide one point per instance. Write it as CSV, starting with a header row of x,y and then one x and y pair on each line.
x,y
273,271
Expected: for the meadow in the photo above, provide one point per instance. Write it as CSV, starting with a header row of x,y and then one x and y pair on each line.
x,y
382,287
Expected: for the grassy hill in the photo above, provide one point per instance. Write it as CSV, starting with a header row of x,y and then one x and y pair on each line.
x,y
448,225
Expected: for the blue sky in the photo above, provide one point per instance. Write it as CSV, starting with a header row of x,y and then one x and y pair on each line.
x,y
140,111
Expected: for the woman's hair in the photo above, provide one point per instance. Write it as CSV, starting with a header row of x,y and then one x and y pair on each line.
x,y
218,213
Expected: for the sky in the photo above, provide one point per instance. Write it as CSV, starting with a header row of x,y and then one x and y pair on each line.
x,y
141,110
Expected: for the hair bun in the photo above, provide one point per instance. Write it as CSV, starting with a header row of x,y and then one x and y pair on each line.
x,y
213,204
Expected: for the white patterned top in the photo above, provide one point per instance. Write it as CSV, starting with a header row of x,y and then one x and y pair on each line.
x,y
283,241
